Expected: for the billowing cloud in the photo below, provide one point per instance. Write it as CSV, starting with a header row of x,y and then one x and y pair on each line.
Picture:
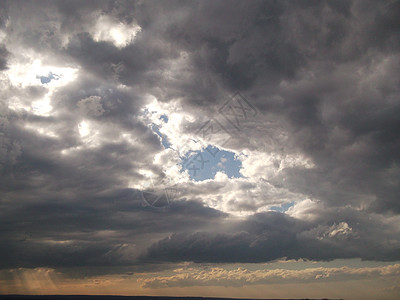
x,y
102,102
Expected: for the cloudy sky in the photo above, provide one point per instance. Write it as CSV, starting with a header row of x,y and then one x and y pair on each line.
x,y
204,148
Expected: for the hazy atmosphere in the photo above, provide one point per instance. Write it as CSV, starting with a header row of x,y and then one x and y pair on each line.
x,y
200,148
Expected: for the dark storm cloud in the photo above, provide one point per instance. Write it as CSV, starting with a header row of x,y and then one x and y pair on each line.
x,y
3,57
102,58
271,236
323,74
95,230
344,116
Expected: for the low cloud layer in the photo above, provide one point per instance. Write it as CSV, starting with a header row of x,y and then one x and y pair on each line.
x,y
240,276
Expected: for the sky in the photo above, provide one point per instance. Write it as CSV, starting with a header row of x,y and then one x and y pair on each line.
x,y
200,148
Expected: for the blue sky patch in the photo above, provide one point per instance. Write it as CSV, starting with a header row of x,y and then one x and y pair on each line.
x,y
283,207
164,118
46,79
204,164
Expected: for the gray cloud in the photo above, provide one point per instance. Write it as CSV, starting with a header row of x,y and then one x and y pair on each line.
x,y
322,75
271,236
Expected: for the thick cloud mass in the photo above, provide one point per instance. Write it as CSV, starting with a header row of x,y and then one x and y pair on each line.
x,y
84,83
270,236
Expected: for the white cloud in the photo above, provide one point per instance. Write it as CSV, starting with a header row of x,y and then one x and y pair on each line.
x,y
110,30
25,70
305,210
340,230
